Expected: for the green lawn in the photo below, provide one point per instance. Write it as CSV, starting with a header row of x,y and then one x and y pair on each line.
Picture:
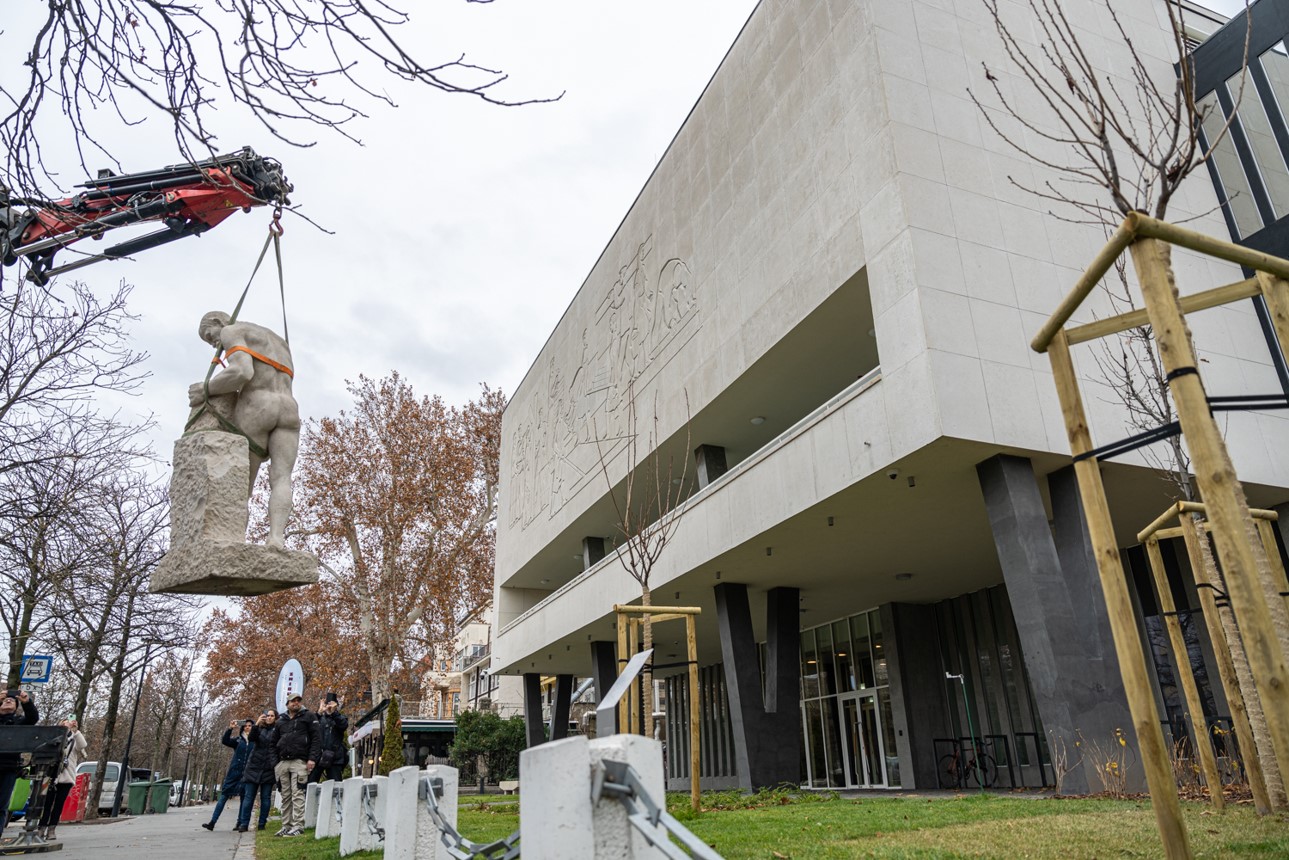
x,y
883,827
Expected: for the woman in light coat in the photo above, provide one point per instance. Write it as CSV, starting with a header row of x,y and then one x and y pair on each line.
x,y
73,752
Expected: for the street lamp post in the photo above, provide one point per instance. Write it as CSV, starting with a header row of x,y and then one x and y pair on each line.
x,y
196,722
129,738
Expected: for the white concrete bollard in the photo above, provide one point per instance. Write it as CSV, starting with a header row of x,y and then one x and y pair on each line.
x,y
429,843
325,826
403,810
310,805
380,803
353,824
556,817
615,838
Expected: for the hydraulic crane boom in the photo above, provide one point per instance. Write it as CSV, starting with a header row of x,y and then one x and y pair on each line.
x,y
188,199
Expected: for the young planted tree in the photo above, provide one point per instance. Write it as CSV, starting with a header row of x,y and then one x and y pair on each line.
x,y
397,498
646,507
1108,148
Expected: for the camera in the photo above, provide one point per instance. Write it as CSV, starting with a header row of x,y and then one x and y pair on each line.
x,y
892,473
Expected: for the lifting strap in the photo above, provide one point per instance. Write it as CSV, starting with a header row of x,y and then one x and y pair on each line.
x,y
275,239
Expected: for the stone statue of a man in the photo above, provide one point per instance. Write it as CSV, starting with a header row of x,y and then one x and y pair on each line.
x,y
258,371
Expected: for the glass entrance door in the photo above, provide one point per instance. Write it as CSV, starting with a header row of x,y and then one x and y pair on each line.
x,y
865,760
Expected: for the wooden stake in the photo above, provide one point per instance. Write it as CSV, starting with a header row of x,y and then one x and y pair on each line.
x,y
1272,549
1225,665
1186,675
1228,510
1123,623
695,736
624,705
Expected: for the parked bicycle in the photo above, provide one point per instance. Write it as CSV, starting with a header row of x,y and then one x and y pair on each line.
x,y
967,765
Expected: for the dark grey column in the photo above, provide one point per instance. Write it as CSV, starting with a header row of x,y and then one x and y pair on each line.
x,y
1063,629
559,711
766,726
592,551
918,705
604,669
710,462
533,722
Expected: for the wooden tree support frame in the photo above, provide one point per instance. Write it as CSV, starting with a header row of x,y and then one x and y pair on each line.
x,y
1189,528
1147,240
629,623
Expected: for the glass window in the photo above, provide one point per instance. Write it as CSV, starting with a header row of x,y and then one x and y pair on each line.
x,y
827,680
814,740
1235,185
888,736
843,652
1262,140
863,658
832,743
1276,65
879,657
809,666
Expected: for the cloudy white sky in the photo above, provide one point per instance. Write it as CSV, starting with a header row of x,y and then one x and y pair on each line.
x,y
461,230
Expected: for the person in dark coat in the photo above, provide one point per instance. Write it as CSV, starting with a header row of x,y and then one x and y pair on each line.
x,y
332,726
16,709
232,787
258,779
299,746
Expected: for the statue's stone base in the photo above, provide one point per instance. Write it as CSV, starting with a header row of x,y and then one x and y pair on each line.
x,y
209,488
233,569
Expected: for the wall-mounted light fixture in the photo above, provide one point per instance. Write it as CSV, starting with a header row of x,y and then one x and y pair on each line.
x,y
758,420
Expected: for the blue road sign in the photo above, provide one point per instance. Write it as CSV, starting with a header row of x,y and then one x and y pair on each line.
x,y
36,668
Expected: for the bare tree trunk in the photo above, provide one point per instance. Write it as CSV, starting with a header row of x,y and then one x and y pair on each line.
x,y
1244,677
109,722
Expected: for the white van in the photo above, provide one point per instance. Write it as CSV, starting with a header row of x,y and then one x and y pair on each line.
x,y
109,781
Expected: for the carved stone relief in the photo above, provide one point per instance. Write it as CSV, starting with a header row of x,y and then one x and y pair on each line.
x,y
640,323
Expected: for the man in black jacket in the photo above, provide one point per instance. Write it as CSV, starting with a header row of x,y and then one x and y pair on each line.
x,y
298,750
16,709
332,726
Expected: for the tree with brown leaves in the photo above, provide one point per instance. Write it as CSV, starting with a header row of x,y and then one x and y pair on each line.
x,y
249,644
398,499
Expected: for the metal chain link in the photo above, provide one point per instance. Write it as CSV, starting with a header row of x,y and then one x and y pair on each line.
x,y
430,789
369,810
617,779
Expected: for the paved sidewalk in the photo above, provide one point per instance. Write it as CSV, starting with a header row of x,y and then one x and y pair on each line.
x,y
176,834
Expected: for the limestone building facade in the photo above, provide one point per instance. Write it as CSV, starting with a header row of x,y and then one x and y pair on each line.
x,y
821,301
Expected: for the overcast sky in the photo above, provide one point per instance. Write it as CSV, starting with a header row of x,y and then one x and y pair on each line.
x,y
461,230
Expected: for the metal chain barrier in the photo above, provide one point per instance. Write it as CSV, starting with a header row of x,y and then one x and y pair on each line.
x,y
617,779
369,811
430,790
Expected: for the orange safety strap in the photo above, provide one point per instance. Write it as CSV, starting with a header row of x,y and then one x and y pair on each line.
x,y
255,355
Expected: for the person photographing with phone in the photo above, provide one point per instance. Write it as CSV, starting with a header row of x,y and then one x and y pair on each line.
x,y
332,726
16,709
259,778
237,736
73,752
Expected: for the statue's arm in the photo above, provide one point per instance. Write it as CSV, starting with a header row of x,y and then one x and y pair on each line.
x,y
238,370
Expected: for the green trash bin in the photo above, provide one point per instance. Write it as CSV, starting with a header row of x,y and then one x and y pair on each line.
x,y
159,796
137,799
